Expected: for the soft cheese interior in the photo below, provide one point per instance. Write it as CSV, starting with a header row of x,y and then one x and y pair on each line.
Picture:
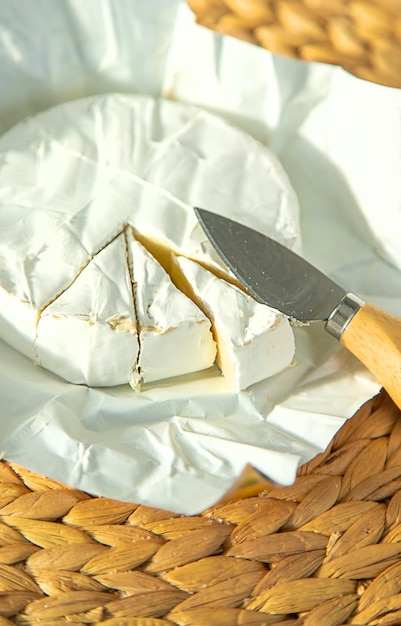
x,y
254,341
78,293
174,335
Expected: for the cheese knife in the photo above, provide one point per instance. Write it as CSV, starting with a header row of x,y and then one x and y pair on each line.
x,y
275,275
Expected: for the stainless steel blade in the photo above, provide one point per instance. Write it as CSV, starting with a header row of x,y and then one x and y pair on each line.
x,y
273,274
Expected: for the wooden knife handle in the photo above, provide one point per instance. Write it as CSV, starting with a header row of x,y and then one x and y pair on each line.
x,y
374,337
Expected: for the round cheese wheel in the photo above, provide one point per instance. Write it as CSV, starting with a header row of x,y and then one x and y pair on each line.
x,y
77,183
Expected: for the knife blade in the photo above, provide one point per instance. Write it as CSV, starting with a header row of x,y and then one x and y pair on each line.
x,y
275,275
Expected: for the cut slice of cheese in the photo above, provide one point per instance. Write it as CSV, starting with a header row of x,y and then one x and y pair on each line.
x,y
174,335
254,341
88,334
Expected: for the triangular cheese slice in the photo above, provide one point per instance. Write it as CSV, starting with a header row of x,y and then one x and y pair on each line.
x,y
253,341
174,335
88,334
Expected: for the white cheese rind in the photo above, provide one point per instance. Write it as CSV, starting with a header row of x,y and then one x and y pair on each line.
x,y
254,341
195,156
174,335
75,176
89,333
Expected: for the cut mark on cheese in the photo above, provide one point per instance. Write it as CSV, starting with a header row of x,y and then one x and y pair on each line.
x,y
81,269
174,335
166,255
135,377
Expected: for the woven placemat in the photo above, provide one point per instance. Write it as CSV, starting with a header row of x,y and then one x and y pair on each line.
x,y
325,551
362,36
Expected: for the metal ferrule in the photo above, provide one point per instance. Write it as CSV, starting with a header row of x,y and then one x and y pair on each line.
x,y
343,314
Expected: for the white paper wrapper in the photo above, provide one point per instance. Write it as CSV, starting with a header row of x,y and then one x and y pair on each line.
x,y
181,446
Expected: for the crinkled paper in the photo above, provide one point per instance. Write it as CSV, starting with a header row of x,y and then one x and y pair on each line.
x,y
180,445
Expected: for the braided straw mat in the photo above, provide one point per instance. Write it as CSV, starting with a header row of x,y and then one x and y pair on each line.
x,y
362,36
325,551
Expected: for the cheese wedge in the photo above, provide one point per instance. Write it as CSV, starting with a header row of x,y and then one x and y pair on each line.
x,y
88,334
174,335
254,341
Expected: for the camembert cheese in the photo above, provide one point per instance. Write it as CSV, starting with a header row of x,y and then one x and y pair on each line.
x,y
94,195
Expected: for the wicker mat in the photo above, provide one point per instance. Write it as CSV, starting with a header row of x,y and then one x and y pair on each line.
x,y
363,36
325,551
